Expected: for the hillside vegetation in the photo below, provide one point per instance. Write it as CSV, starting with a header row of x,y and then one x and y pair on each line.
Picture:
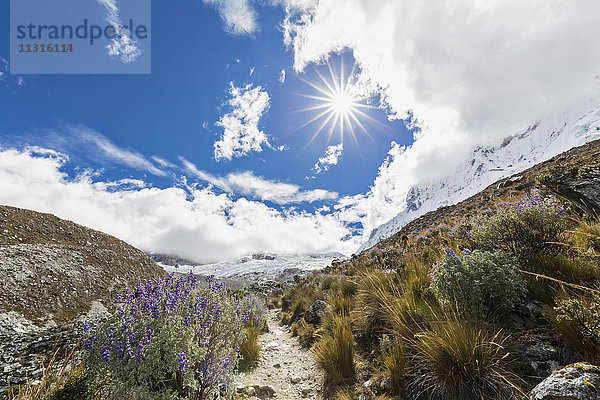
x,y
481,300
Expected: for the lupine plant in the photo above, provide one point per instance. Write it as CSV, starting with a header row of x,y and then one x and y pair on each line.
x,y
479,281
254,311
530,226
169,339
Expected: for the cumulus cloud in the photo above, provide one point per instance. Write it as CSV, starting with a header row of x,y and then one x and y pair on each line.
x,y
238,15
241,134
282,76
122,45
247,184
331,157
462,72
187,221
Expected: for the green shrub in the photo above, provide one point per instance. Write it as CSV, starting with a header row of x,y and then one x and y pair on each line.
x,y
578,320
77,385
335,352
457,359
533,225
170,338
480,282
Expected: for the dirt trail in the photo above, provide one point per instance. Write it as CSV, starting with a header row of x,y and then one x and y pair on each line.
x,y
284,365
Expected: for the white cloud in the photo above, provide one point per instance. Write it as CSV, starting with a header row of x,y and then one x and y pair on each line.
x,y
241,134
465,72
122,45
331,157
162,162
239,16
282,76
194,223
247,184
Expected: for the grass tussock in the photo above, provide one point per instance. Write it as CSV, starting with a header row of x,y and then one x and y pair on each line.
x,y
250,349
458,359
297,300
335,352
585,237
306,334
396,363
370,316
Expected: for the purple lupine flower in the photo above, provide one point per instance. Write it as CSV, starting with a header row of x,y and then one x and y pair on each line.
x,y
183,363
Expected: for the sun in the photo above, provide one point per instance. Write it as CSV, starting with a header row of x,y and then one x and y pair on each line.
x,y
342,103
339,104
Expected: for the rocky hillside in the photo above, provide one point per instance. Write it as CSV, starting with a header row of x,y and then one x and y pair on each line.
x,y
573,175
54,269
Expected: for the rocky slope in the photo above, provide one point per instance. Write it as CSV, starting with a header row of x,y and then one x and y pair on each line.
x,y
486,165
54,269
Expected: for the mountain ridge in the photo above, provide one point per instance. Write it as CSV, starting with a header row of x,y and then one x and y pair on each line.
x,y
488,164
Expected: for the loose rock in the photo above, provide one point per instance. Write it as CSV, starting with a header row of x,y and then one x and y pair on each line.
x,y
579,381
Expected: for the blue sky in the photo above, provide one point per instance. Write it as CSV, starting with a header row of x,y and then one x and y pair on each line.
x,y
172,112
210,156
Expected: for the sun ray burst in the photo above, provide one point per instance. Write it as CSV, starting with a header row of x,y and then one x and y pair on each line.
x,y
338,103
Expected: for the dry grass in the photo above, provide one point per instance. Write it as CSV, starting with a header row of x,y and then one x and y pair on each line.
x,y
396,364
306,334
250,349
62,379
460,359
369,315
334,352
586,237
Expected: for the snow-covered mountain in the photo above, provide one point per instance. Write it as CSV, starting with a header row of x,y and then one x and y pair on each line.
x,y
486,165
271,265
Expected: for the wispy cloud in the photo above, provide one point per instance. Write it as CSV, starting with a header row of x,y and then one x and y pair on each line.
x,y
90,146
241,134
163,163
113,152
239,16
256,187
122,45
331,157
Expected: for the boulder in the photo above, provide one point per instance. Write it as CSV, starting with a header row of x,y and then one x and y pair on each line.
x,y
579,381
316,312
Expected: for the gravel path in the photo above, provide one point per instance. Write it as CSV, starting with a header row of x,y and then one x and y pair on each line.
x,y
284,365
